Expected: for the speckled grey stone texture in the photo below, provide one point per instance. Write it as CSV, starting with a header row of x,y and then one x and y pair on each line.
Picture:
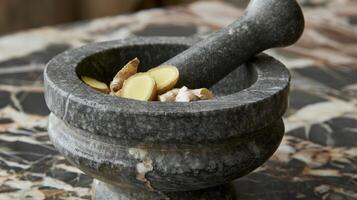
x,y
104,191
164,168
163,148
234,110
266,24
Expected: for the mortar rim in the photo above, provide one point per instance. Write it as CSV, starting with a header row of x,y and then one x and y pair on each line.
x,y
284,77
251,104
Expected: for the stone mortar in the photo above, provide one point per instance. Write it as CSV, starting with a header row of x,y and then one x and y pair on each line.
x,y
155,150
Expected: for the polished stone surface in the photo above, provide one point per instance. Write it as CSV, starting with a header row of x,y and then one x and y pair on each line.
x,y
261,103
316,160
166,171
152,148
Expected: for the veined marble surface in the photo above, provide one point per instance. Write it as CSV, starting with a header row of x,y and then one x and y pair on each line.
x,y
316,160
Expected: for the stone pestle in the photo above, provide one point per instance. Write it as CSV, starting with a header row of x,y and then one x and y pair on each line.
x,y
266,24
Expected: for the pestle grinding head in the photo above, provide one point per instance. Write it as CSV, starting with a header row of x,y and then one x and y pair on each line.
x,y
266,24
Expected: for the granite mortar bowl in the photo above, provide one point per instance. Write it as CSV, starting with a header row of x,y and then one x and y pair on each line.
x,y
162,148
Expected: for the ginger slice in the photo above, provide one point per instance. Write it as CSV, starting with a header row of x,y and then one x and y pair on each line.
x,y
169,96
127,71
140,86
165,76
95,84
203,93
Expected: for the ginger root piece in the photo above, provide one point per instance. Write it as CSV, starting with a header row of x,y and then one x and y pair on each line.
x,y
95,84
140,86
127,71
165,76
203,93
118,94
169,96
185,95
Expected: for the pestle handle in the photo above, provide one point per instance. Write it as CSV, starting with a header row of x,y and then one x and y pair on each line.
x,y
266,24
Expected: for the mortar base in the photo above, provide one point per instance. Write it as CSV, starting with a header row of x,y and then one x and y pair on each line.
x,y
103,191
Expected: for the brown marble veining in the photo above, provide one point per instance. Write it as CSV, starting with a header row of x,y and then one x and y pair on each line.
x,y
318,156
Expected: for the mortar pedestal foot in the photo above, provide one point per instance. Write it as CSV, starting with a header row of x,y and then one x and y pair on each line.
x,y
103,191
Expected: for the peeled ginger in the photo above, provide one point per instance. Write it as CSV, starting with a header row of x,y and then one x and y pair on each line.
x,y
140,86
165,76
95,84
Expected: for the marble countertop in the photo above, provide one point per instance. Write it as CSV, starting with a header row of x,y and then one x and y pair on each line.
x,y
316,160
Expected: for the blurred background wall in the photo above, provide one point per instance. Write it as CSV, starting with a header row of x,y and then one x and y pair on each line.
x,y
22,14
